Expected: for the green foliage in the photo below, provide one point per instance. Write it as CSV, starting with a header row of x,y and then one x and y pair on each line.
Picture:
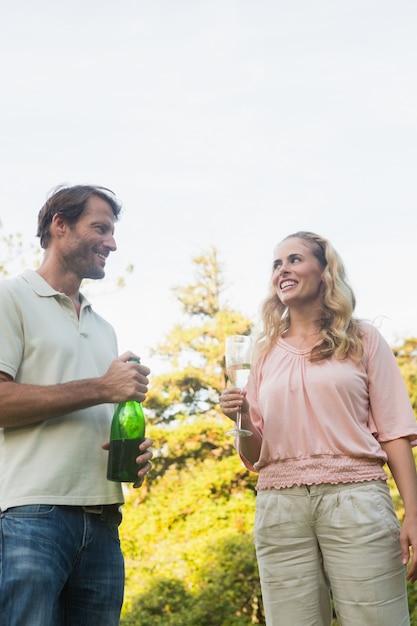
x,y
201,299
406,356
412,603
187,535
13,254
194,350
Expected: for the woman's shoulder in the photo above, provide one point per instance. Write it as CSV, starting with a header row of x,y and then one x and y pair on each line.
x,y
372,338
368,329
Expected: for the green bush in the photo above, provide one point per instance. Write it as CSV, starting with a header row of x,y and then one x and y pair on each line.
x,y
224,592
187,537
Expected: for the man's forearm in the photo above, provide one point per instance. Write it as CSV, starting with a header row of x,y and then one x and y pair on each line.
x,y
21,404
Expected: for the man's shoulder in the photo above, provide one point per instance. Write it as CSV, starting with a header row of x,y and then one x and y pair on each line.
x,y
9,285
12,282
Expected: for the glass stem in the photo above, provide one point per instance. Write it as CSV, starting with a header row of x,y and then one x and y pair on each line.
x,y
238,419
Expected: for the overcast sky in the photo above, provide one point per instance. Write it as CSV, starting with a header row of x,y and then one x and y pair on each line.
x,y
225,123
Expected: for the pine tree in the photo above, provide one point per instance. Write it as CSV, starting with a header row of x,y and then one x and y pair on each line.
x,y
195,348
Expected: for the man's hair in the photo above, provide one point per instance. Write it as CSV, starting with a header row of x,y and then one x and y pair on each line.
x,y
70,203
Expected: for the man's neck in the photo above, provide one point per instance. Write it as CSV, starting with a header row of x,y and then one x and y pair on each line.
x,y
63,282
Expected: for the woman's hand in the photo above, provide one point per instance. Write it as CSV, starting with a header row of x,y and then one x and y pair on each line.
x,y
403,468
231,400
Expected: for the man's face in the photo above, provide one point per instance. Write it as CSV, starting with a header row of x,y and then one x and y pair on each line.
x,y
87,244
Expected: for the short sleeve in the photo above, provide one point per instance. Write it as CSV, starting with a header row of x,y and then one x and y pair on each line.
x,y
390,412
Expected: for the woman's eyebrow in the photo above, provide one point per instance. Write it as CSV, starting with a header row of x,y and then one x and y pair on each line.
x,y
290,256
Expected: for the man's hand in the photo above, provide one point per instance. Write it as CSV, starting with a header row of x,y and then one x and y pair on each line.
x,y
143,460
126,380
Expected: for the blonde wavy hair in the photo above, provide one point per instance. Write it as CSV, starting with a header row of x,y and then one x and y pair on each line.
x,y
339,330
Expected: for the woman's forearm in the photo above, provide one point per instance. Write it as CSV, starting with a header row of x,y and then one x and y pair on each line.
x,y
402,465
250,447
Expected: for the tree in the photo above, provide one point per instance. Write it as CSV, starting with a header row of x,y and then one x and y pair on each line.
x,y
187,534
406,356
188,393
195,349
14,255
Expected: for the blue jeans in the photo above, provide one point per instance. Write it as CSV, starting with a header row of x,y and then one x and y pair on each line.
x,y
59,566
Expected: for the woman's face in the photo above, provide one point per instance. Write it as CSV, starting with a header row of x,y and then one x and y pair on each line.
x,y
297,274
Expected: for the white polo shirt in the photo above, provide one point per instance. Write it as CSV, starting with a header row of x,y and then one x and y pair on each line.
x,y
43,342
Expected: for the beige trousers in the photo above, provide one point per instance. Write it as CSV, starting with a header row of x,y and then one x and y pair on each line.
x,y
343,538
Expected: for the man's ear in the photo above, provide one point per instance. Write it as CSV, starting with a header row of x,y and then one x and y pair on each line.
x,y
58,225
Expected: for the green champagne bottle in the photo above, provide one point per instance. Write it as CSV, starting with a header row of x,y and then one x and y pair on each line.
x,y
126,433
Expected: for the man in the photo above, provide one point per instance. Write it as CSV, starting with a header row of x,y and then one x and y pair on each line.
x,y
60,377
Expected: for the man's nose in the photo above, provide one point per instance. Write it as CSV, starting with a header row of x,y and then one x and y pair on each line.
x,y
110,243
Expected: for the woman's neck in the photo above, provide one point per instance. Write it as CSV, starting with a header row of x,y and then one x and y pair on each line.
x,y
303,331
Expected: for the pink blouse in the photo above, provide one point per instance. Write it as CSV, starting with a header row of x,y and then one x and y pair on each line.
x,y
323,422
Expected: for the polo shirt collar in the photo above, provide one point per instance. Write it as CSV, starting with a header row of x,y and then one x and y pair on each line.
x,y
43,288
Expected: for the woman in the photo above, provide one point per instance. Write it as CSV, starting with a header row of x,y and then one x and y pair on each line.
x,y
327,408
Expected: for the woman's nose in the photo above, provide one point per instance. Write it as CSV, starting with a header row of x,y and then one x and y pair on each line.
x,y
279,273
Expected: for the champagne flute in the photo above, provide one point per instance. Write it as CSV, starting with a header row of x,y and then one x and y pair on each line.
x,y
238,359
